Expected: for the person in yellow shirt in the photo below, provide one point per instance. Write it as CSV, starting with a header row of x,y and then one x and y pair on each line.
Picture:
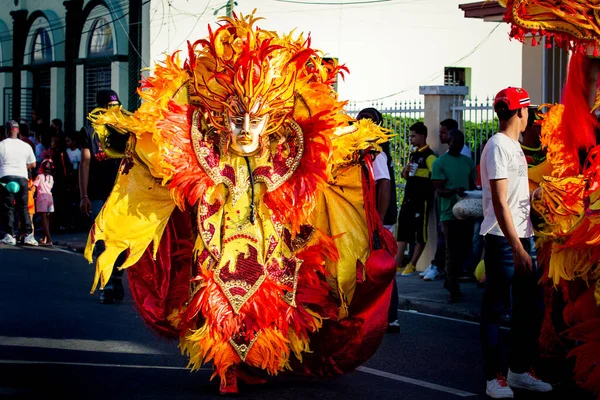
x,y
418,198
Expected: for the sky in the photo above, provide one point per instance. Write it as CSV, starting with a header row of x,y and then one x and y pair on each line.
x,y
390,46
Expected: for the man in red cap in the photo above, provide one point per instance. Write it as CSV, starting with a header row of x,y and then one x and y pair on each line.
x,y
510,258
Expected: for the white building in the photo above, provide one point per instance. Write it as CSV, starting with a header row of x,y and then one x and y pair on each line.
x,y
55,54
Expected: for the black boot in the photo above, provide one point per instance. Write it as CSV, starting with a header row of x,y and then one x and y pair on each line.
x,y
107,295
118,290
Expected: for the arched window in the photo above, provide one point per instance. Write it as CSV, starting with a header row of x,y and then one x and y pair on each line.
x,y
101,39
42,48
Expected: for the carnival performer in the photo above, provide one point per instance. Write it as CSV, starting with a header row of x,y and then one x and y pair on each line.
x,y
246,207
569,182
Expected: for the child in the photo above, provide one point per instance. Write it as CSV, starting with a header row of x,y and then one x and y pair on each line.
x,y
31,199
44,201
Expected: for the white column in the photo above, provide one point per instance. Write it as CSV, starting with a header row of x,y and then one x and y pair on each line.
x,y
119,81
57,93
79,122
438,103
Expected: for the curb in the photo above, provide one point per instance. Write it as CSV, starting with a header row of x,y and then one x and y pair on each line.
x,y
73,247
435,308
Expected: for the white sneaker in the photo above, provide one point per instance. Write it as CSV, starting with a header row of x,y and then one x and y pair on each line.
x,y
432,275
498,388
30,240
422,274
528,381
9,239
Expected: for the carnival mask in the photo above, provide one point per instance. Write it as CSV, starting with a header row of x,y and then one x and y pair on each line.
x,y
246,130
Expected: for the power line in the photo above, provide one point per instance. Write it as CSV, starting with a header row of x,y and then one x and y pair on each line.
x,y
437,74
195,24
334,4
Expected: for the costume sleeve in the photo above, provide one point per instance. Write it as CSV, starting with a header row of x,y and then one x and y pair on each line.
x,y
430,160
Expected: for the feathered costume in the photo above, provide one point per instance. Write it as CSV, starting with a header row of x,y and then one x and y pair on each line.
x,y
568,243
275,260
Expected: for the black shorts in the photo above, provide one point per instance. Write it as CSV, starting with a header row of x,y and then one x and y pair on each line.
x,y
412,222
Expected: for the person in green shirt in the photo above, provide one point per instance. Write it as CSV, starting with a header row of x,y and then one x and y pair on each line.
x,y
453,174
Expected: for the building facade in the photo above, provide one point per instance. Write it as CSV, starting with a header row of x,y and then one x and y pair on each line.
x,y
55,55
544,67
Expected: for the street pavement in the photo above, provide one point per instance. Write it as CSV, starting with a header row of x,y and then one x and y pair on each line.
x,y
57,340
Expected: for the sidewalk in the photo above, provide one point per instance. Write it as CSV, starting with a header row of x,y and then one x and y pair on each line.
x,y
73,241
431,298
413,293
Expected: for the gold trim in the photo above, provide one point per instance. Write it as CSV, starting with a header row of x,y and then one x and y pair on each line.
x,y
238,301
278,180
243,349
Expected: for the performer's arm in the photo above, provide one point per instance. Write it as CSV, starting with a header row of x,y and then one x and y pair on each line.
x,y
84,173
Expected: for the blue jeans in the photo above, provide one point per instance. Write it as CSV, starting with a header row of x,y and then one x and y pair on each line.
x,y
516,295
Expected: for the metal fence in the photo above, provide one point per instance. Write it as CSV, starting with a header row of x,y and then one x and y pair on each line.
x,y
476,118
398,118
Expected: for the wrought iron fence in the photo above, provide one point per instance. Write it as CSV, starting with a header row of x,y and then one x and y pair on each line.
x,y
398,118
477,119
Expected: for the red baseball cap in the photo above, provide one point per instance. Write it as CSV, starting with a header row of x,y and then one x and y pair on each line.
x,y
515,98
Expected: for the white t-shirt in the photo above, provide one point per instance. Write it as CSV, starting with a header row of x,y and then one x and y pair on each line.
x,y
74,157
466,151
380,168
503,158
15,154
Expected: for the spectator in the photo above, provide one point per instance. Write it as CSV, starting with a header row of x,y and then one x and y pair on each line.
x,y
73,150
62,170
72,140
31,199
44,202
445,127
385,179
509,255
97,174
418,199
24,135
436,268
15,158
453,174
530,143
43,145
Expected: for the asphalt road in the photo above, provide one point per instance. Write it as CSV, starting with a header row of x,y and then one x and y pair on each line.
x,y
57,340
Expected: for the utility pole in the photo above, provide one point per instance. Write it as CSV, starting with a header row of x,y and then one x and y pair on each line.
x,y
134,50
229,7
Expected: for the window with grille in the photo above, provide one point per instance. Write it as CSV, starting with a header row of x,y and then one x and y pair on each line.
x,y
42,48
456,76
101,39
97,77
